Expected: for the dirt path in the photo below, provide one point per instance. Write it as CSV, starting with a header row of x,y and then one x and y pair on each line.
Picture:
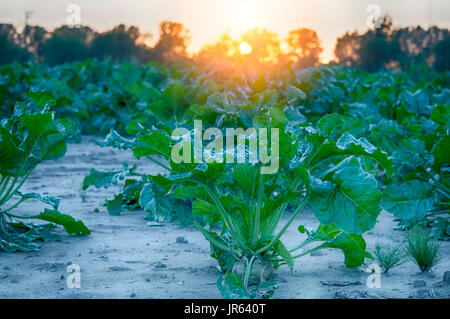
x,y
126,258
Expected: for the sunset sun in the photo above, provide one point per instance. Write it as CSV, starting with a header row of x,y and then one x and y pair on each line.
x,y
245,48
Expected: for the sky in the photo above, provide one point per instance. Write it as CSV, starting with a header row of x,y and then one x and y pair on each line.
x,y
208,19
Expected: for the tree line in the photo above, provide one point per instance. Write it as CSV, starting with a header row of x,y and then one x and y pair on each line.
x,y
378,48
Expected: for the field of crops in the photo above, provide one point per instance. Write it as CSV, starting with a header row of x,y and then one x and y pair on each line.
x,y
339,173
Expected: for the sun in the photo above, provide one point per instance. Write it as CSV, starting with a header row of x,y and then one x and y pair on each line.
x,y
245,48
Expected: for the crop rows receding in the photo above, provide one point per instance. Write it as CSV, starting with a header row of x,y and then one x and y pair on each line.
x,y
351,144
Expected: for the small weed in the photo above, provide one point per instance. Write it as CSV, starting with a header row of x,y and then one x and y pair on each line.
x,y
390,255
82,194
422,248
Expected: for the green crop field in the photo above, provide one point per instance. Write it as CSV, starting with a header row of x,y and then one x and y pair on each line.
x,y
349,146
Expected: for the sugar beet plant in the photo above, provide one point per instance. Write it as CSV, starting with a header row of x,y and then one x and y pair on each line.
x,y
315,168
30,136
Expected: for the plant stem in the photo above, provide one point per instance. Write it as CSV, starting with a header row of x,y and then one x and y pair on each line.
x,y
159,163
274,220
248,270
307,252
301,245
24,178
229,224
258,212
443,203
285,227
4,183
2,227
4,199
439,212
210,238
14,206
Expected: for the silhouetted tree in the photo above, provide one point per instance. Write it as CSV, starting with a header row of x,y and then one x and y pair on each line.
x,y
33,38
304,46
222,50
418,44
265,45
10,50
172,43
67,44
441,54
347,49
378,49
117,44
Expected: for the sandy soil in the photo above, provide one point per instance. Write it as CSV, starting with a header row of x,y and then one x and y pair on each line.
x,y
125,257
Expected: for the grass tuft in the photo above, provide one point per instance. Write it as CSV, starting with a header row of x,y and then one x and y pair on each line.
x,y
423,249
390,255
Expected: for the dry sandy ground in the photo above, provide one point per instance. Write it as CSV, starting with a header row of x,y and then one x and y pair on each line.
x,y
124,257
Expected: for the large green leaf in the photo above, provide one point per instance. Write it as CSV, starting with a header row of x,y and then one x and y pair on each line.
x,y
441,151
348,198
410,201
348,145
154,201
154,143
353,246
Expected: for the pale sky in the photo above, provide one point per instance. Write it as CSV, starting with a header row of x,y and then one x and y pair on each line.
x,y
208,19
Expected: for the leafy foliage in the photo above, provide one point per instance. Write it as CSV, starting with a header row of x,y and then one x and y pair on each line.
x,y
27,139
351,144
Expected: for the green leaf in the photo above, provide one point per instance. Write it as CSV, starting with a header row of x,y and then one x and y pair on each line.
x,y
42,99
114,206
326,232
274,119
264,290
102,178
232,287
349,198
201,207
441,151
11,154
353,246
295,95
348,145
113,139
285,254
154,143
224,258
334,125
52,201
31,232
71,225
441,115
152,199
410,201
190,191
245,175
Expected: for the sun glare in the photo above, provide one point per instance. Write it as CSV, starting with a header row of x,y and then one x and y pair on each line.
x,y
245,48
245,18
